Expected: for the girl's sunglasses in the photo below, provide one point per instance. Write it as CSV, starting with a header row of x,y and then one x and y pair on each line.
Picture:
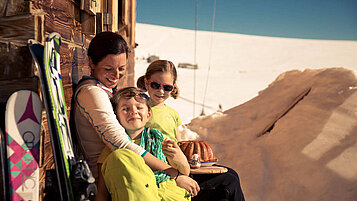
x,y
166,87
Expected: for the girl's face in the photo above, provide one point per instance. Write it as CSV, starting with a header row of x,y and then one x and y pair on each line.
x,y
132,114
158,96
110,69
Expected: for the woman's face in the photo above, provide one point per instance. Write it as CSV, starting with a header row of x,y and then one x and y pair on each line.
x,y
110,69
132,114
158,96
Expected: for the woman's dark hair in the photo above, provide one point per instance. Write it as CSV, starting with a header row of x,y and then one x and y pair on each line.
x,y
106,43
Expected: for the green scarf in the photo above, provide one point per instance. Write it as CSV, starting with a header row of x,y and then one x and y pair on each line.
x,y
151,141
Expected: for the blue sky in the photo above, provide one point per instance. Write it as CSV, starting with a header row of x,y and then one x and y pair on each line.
x,y
313,19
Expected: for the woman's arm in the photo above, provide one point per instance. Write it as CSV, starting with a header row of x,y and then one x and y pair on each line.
x,y
158,165
94,104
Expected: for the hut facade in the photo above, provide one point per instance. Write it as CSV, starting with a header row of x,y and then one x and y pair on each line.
x,y
77,21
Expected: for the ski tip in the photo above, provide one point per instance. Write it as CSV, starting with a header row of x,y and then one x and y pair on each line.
x,y
32,42
54,35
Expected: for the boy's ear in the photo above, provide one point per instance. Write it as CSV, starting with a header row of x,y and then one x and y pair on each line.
x,y
149,114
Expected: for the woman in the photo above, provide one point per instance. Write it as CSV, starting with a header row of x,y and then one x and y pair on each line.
x,y
95,121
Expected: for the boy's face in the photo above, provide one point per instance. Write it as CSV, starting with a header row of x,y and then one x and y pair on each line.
x,y
132,115
158,96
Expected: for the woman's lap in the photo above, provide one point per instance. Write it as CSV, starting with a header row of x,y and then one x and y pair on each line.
x,y
127,177
225,186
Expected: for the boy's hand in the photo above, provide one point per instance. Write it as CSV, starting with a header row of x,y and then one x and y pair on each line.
x,y
188,183
175,156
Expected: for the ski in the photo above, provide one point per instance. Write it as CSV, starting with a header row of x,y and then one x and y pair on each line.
x,y
74,180
4,177
23,130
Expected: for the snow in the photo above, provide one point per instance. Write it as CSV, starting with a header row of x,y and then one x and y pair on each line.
x,y
240,65
310,152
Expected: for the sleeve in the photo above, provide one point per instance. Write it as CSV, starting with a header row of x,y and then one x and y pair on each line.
x,y
178,120
95,105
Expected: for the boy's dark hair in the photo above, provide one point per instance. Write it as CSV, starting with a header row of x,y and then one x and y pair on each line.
x,y
128,92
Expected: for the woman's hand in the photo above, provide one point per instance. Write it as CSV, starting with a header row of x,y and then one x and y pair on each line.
x,y
175,156
188,183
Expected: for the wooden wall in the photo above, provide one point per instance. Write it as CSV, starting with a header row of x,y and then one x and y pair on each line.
x,y
77,21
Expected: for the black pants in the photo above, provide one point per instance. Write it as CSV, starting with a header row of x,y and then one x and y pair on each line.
x,y
219,187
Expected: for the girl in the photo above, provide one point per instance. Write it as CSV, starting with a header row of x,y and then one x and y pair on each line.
x,y
95,122
133,111
160,82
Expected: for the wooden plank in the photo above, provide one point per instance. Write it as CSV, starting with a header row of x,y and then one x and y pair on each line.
x,y
209,170
46,154
3,4
132,23
46,147
88,23
90,6
14,7
74,63
125,11
80,65
99,23
99,6
56,22
16,61
68,91
10,86
14,29
66,59
113,8
130,70
60,17
105,9
40,27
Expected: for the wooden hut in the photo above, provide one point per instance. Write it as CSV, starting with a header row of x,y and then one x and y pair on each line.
x,y
77,21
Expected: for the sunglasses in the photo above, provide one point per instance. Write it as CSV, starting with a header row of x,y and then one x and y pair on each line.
x,y
139,97
166,87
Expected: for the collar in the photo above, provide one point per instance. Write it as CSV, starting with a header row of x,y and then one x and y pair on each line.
x,y
99,84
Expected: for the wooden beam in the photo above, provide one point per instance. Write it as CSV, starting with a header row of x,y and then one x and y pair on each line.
x,y
90,6
40,28
115,14
10,86
17,28
88,23
14,7
15,60
132,24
